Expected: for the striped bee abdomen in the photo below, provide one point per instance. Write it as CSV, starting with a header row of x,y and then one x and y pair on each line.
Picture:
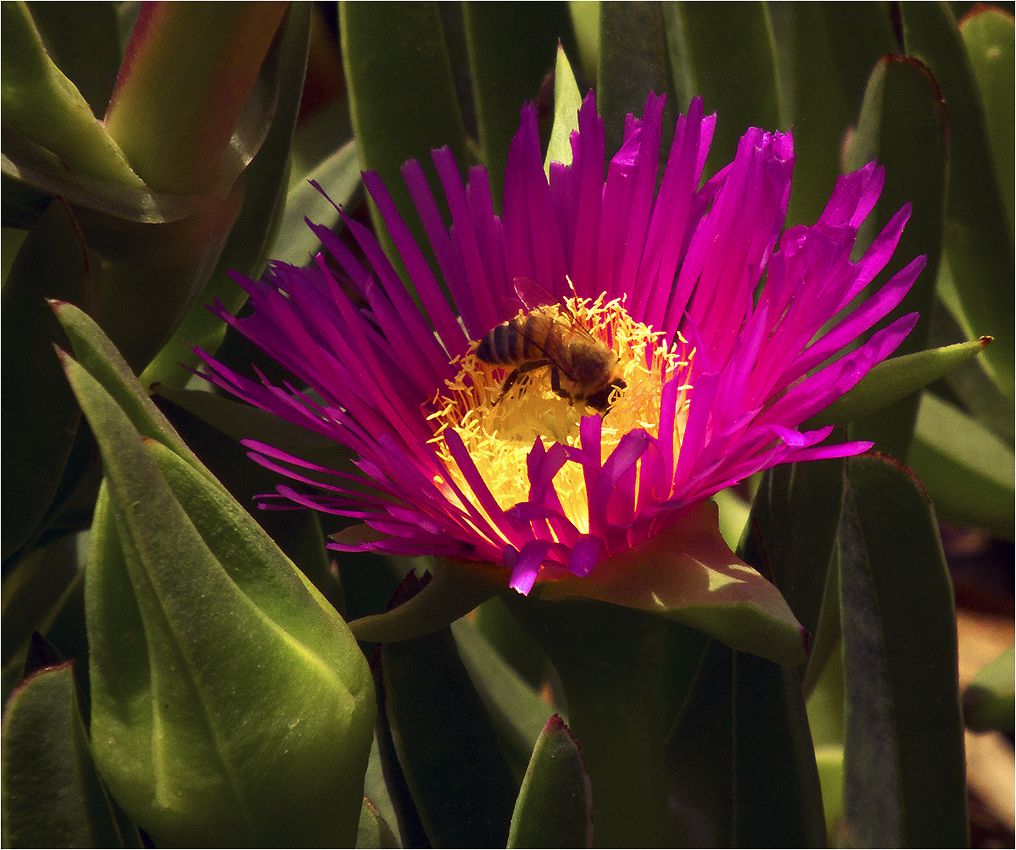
x,y
514,341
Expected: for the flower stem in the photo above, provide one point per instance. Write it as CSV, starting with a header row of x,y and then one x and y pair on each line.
x,y
624,675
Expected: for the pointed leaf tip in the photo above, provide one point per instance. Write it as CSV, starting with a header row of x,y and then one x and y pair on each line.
x,y
554,806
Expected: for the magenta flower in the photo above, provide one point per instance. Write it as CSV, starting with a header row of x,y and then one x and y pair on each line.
x,y
717,324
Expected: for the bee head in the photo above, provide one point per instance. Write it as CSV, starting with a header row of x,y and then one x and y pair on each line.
x,y
600,400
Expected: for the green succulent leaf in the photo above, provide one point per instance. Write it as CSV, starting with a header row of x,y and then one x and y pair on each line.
x,y
42,415
903,126
85,46
516,710
706,40
700,750
567,101
244,422
632,62
218,675
339,175
297,532
585,18
689,575
264,181
511,51
776,784
791,532
461,785
826,51
42,104
829,759
989,702
401,92
33,596
373,832
967,470
519,651
99,357
171,112
896,379
904,781
978,249
555,804
620,710
454,590
988,37
52,796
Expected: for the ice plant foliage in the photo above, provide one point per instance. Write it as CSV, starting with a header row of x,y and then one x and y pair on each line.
x,y
725,330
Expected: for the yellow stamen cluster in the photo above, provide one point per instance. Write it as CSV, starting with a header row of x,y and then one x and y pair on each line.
x,y
499,431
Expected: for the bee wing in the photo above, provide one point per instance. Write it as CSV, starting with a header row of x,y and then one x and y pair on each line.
x,y
532,294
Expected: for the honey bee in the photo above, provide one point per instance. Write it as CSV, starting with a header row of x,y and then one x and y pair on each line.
x,y
582,368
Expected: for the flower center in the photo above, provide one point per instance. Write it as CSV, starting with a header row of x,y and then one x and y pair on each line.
x,y
579,358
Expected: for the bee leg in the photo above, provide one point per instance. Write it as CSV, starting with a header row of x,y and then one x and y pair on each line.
x,y
517,373
555,382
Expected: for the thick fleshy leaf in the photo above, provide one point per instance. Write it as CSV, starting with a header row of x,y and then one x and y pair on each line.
x,y
401,92
151,276
706,40
460,784
978,237
520,652
171,112
33,595
376,790
585,17
740,756
206,646
99,357
689,574
567,101
516,710
41,416
791,532
373,831
989,702
85,46
52,796
633,62
972,385
454,590
511,50
903,126
904,781
773,783
776,785
297,532
246,249
620,710
734,513
830,775
41,104
967,470
826,51
555,805
988,37
895,379
244,422
339,175
393,777
700,751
